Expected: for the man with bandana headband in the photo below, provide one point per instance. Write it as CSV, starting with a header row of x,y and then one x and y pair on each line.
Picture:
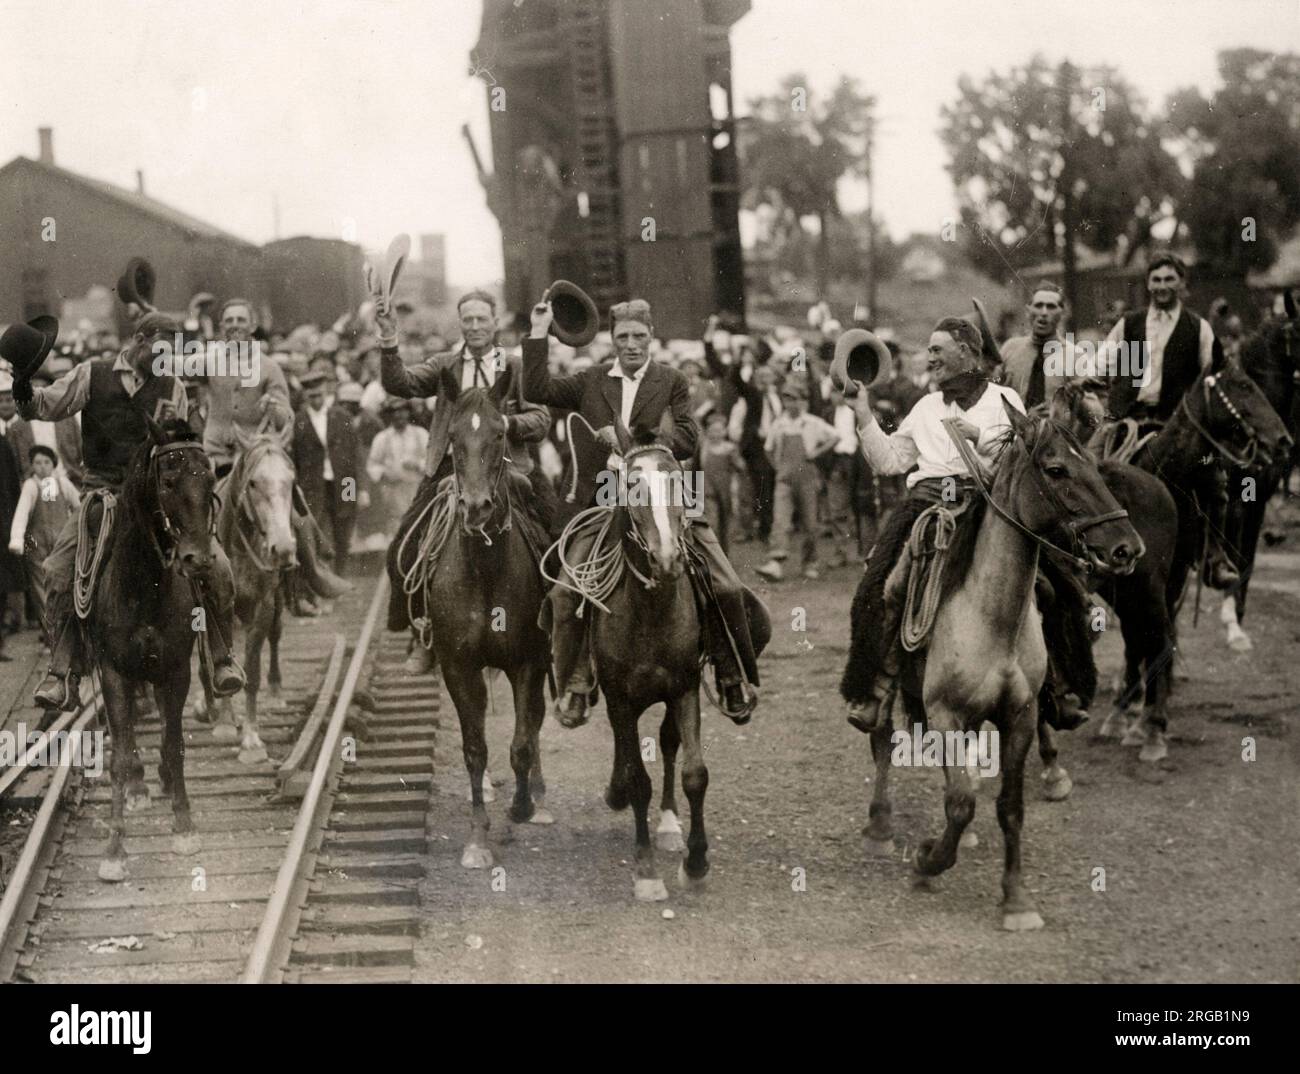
x,y
636,391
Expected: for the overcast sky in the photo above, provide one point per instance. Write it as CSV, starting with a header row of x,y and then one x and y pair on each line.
x,y
349,110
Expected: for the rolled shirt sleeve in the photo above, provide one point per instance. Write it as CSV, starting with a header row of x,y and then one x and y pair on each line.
x,y
888,453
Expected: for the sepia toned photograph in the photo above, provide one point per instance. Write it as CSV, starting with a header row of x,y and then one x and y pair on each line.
x,y
650,492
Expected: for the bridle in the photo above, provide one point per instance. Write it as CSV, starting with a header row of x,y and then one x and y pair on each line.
x,y
632,532
237,485
1074,525
1210,384
169,530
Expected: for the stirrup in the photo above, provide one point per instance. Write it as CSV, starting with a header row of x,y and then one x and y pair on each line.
x,y
227,678
572,707
61,692
867,716
740,714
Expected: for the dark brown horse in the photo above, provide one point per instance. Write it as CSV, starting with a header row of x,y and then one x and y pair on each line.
x,y
1271,357
1140,599
1224,417
141,623
646,649
986,657
484,597
255,527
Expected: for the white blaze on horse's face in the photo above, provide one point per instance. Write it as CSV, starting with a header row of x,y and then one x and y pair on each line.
x,y
270,500
650,483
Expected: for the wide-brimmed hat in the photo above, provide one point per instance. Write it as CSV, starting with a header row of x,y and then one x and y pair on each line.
x,y
137,282
575,319
859,357
25,346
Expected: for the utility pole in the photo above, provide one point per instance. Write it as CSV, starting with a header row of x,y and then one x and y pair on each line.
x,y
1070,281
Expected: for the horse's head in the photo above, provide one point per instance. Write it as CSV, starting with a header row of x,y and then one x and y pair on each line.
x,y
477,442
263,483
1067,496
653,492
1236,413
1077,406
171,485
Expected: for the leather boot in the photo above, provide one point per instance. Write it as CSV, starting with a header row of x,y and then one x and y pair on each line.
x,y
319,578
868,716
227,675
61,688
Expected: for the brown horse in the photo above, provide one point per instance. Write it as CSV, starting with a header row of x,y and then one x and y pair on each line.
x,y
484,597
141,623
646,649
986,657
1224,417
255,527
1140,599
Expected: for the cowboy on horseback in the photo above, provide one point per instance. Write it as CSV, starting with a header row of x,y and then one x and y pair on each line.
x,y
113,397
476,363
973,406
1175,346
636,392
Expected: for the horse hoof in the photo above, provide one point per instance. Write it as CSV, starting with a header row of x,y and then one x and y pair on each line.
x,y
112,870
186,844
969,840
1239,641
688,882
1135,735
225,732
1154,749
1111,727
1022,921
1057,785
137,801
883,848
651,890
923,882
476,858
541,816
253,756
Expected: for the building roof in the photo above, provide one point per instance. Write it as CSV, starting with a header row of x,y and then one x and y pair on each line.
x,y
130,198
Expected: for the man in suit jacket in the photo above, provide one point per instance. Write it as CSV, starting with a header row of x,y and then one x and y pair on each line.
x,y
638,392
477,362
326,457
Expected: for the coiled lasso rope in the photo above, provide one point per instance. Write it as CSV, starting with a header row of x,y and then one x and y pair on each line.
x,y
88,559
441,512
596,578
924,581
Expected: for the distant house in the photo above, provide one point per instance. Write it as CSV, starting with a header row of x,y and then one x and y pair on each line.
x,y
923,259
62,234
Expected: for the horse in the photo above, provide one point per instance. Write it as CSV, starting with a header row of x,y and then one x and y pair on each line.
x,y
484,598
986,656
1141,599
1271,357
646,648
140,623
255,527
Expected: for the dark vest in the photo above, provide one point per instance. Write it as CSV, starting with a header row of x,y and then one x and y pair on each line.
x,y
1179,367
112,422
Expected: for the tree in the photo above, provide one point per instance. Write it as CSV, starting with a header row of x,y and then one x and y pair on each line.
x,y
1243,149
795,147
1047,159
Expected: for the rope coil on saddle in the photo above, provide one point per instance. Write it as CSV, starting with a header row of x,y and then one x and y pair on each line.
x,y
925,573
90,557
441,513
1121,441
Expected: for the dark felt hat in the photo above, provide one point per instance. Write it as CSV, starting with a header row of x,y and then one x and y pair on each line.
x,y
25,346
137,282
576,319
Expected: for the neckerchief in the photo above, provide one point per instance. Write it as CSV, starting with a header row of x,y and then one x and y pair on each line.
x,y
965,389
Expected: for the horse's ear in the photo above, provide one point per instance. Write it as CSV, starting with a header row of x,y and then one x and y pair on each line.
x,y
624,437
156,433
1062,404
448,385
667,426
500,390
1288,300
1021,424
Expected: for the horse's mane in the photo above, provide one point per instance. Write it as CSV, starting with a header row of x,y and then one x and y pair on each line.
x,y
961,549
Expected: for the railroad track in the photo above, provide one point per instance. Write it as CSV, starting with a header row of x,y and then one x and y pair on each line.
x,y
309,863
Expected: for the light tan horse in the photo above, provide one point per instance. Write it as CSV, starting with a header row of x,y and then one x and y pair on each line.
x,y
986,656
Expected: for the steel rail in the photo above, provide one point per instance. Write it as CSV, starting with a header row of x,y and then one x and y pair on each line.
x,y
271,948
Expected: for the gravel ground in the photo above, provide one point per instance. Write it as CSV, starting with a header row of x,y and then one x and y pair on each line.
x,y
1199,852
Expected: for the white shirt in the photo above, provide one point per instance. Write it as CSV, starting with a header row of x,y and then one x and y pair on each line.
x,y
1160,326
630,386
846,424
922,441
390,449
492,361
318,420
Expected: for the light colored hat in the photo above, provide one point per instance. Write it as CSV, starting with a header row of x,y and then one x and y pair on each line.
x,y
6,382
349,392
